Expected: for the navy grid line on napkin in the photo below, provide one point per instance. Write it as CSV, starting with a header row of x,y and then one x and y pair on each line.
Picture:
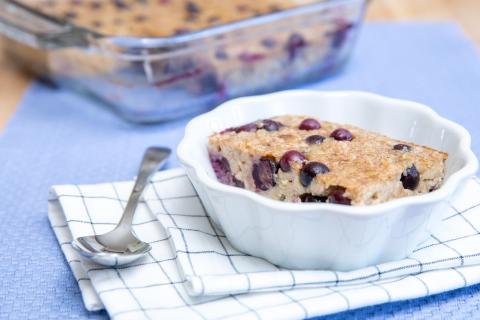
x,y
50,141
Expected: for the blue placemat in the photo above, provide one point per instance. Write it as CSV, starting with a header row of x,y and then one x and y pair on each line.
x,y
57,137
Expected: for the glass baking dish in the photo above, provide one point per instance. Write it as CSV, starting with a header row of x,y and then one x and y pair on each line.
x,y
159,79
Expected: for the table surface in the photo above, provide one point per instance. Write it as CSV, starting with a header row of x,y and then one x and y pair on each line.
x,y
465,12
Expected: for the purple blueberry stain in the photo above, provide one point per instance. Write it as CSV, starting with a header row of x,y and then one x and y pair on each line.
x,y
341,134
222,170
310,171
250,57
192,9
238,183
410,178
340,34
309,124
308,197
263,173
402,147
208,82
271,125
266,124
289,157
249,127
295,43
315,139
221,54
338,196
269,43
120,4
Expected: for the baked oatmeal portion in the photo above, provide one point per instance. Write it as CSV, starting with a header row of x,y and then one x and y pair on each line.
x,y
302,159
156,18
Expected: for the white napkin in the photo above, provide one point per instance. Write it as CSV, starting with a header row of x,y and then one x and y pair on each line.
x,y
192,270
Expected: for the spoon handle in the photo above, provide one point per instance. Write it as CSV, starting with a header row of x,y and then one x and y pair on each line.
x,y
153,158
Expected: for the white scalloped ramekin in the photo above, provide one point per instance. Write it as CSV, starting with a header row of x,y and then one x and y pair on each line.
x,y
322,235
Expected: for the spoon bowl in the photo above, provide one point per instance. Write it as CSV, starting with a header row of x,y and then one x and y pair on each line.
x,y
90,248
120,246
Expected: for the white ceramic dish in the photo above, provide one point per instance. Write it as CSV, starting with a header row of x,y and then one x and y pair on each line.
x,y
321,235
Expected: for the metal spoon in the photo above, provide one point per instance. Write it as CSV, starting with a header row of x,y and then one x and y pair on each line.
x,y
120,246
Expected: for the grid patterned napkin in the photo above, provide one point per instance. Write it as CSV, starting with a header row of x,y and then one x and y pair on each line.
x,y
192,270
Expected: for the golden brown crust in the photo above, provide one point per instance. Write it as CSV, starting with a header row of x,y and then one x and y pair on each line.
x,y
155,18
367,167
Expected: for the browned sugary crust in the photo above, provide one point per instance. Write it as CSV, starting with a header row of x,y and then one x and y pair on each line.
x,y
367,167
156,18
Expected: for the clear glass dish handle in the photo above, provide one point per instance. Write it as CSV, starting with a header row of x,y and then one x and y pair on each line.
x,y
33,29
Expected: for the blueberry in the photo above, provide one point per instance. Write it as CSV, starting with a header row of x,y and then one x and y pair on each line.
x,y
402,147
309,124
208,82
308,197
120,4
192,10
221,54
341,134
249,127
288,157
294,44
267,124
69,15
310,171
222,170
410,178
340,34
337,196
269,43
315,139
271,125
263,173
238,183
249,57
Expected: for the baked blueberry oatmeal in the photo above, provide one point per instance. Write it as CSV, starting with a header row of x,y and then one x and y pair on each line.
x,y
220,69
156,18
303,159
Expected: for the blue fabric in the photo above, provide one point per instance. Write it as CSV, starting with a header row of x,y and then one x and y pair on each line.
x,y
57,137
